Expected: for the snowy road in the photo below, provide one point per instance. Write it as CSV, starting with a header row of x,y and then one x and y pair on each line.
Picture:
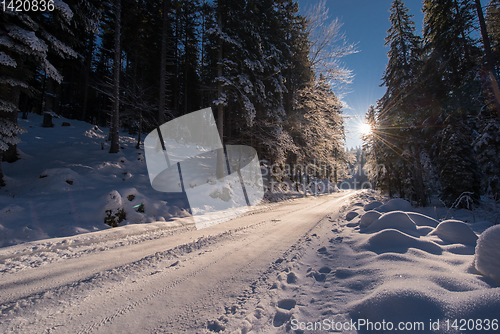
x,y
172,284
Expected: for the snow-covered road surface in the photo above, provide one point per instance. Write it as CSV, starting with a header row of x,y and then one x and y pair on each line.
x,y
174,284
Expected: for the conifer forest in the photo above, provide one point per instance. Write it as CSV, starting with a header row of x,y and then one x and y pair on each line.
x,y
270,75
437,128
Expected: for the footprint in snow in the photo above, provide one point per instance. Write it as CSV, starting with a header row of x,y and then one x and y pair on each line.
x,y
291,278
325,270
319,277
281,317
336,240
287,304
322,250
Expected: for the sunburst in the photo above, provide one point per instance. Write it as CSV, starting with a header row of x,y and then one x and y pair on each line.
x,y
365,129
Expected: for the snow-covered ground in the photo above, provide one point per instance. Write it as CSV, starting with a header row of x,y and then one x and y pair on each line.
x,y
350,262
65,180
404,271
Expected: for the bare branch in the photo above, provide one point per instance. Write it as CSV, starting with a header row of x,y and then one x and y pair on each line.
x,y
328,45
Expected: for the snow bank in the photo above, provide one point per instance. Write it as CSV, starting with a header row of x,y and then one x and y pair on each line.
x,y
487,257
389,270
398,303
455,231
410,301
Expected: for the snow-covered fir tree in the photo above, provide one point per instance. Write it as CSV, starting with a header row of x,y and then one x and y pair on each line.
x,y
487,149
26,41
319,126
459,172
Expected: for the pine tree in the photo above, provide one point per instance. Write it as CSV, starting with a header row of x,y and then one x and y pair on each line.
x,y
404,53
487,149
452,52
163,63
26,40
459,172
490,61
493,27
115,122
398,136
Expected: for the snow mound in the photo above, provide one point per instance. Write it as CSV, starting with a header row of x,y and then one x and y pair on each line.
x,y
11,209
58,179
455,231
372,205
422,220
391,240
351,215
396,204
114,201
369,218
487,257
397,219
397,304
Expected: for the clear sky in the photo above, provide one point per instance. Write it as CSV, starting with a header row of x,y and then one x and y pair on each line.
x,y
365,23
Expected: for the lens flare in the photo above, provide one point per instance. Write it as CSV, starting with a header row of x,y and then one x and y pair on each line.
x,y
365,129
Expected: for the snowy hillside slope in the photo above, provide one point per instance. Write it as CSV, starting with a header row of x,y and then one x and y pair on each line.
x,y
63,180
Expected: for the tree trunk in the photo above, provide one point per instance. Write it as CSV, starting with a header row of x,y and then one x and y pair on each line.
x,y
420,178
163,66
42,100
49,94
2,183
220,107
115,126
176,89
489,58
137,146
47,121
86,77
186,66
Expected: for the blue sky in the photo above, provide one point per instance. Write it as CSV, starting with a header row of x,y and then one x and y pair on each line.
x,y
365,23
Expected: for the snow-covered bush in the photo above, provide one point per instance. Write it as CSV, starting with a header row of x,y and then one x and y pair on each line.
x,y
114,212
487,257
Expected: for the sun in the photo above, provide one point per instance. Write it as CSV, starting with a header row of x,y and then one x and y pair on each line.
x,y
365,129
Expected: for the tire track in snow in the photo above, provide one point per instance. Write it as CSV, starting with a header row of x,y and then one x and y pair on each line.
x,y
220,284
149,297
94,282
